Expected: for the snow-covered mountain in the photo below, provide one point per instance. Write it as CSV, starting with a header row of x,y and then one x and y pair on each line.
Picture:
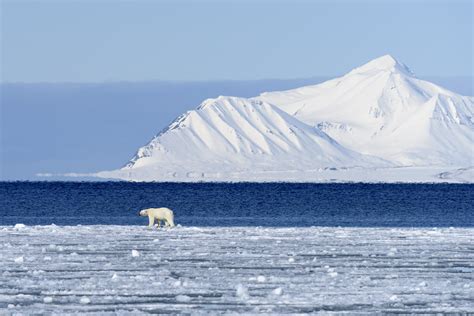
x,y
376,117
231,134
382,109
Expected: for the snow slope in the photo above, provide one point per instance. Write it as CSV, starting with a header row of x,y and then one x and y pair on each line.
x,y
375,117
231,134
381,109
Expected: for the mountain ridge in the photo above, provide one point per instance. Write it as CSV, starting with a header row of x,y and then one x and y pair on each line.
x,y
378,115
220,128
367,107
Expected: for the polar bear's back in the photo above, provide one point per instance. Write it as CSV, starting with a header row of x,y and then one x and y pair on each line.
x,y
160,211
164,209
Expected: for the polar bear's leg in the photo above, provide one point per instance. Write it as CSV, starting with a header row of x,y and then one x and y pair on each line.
x,y
151,220
170,220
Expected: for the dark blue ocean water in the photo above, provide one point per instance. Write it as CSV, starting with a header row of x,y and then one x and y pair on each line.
x,y
240,204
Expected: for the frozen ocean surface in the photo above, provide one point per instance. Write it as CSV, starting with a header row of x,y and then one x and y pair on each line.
x,y
212,270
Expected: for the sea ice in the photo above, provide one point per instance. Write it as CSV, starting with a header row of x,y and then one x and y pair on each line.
x,y
236,270
277,291
48,299
183,298
19,260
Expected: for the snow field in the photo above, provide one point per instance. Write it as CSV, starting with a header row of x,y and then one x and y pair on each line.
x,y
132,269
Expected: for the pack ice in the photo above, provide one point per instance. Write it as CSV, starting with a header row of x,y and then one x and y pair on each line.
x,y
376,123
131,270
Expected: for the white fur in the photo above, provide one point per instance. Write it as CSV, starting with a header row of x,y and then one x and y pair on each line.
x,y
160,214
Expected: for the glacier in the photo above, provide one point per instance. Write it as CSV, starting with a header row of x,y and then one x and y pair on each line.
x,y
377,123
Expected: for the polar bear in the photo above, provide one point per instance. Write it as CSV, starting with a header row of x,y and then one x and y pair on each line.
x,y
161,214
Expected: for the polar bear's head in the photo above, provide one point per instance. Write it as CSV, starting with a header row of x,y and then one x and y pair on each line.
x,y
143,213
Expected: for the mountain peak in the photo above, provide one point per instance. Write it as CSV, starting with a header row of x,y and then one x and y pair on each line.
x,y
383,63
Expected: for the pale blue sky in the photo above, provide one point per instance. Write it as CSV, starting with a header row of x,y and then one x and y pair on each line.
x,y
95,41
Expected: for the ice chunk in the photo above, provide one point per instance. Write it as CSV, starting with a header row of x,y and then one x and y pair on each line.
x,y
333,274
135,253
85,300
183,298
48,299
19,260
242,292
19,226
261,279
278,291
